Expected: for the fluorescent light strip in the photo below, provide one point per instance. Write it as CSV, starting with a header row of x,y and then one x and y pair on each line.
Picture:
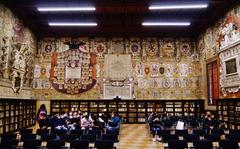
x,y
66,9
186,6
71,24
166,23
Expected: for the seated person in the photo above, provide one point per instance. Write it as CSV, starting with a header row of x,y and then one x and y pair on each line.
x,y
75,118
58,122
164,116
106,116
86,123
216,123
96,123
70,114
69,121
150,118
208,123
156,125
114,123
42,116
166,121
101,120
78,114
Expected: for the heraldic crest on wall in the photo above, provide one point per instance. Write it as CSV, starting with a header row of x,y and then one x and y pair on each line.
x,y
73,71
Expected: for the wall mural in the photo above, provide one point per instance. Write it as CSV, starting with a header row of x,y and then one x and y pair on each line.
x,y
73,71
18,66
223,39
230,55
159,68
17,52
230,31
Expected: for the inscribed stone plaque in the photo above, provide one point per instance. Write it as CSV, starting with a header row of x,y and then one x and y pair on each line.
x,y
117,66
111,92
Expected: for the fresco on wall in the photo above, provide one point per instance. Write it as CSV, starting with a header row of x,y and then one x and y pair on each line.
x,y
17,52
230,56
153,73
223,40
73,71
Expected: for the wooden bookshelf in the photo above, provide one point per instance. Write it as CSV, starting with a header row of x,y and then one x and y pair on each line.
x,y
16,114
131,111
228,110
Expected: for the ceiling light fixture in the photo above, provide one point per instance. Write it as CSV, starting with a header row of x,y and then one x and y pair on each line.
x,y
44,9
166,23
72,24
180,6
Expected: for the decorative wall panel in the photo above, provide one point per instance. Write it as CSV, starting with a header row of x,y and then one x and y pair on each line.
x,y
223,39
17,52
137,65
124,92
73,71
230,70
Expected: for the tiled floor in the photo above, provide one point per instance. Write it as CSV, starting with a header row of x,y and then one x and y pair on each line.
x,y
132,136
136,136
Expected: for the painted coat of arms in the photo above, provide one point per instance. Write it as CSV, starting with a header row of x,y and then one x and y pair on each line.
x,y
73,71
